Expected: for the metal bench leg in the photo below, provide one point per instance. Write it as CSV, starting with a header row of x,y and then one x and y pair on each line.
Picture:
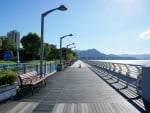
x,y
44,82
31,89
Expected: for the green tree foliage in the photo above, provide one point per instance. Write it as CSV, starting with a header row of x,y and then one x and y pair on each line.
x,y
0,43
54,53
71,55
31,45
8,44
64,53
47,49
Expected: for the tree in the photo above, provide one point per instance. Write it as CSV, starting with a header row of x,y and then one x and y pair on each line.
x,y
54,53
47,49
64,50
0,43
31,44
8,44
72,54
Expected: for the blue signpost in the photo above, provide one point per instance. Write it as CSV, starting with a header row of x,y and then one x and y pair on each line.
x,y
8,55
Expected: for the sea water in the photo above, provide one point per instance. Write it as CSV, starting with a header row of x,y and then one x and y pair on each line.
x,y
134,62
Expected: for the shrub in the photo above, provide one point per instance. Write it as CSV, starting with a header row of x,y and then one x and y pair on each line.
x,y
7,77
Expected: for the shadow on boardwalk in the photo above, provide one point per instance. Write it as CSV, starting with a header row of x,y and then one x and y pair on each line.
x,y
128,92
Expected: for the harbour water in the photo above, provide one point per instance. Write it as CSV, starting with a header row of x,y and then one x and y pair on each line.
x,y
134,62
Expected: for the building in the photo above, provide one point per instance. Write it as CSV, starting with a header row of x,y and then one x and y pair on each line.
x,y
2,37
15,35
53,46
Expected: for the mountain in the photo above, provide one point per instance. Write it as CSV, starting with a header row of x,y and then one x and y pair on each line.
x,y
90,54
96,55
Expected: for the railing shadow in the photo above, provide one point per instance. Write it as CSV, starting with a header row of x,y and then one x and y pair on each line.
x,y
146,108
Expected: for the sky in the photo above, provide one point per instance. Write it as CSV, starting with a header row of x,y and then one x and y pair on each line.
x,y
110,26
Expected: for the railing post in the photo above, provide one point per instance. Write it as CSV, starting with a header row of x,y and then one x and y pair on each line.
x,y
25,68
37,68
45,70
120,68
56,66
50,67
53,66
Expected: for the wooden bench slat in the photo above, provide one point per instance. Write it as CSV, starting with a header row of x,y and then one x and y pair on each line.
x,y
30,79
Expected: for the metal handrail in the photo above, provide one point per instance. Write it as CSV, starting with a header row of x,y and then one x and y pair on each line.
x,y
27,67
129,70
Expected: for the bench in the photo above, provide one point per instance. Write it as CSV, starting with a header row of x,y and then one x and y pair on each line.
x,y
30,79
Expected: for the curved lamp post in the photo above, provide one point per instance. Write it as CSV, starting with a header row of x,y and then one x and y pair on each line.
x,y
70,44
67,51
61,8
72,47
61,46
69,62
18,61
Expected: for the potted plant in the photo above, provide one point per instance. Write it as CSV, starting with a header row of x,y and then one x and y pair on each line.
x,y
8,87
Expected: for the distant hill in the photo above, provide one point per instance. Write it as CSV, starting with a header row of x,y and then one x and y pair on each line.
x,y
90,54
96,55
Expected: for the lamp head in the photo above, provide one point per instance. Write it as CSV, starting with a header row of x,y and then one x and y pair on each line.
x,y
62,8
70,35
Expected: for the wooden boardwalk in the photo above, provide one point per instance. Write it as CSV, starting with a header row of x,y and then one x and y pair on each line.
x,y
74,90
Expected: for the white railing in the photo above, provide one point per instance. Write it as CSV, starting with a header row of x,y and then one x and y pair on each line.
x,y
125,69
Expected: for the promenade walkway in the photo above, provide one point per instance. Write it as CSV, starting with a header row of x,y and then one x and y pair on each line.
x,y
74,90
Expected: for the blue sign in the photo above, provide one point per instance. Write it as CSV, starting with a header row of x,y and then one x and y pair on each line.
x,y
8,55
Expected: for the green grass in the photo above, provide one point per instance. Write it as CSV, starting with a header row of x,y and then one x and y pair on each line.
x,y
32,61
5,62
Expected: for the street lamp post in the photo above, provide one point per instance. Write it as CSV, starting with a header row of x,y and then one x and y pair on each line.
x,y
61,46
72,47
69,62
18,61
70,44
67,51
61,8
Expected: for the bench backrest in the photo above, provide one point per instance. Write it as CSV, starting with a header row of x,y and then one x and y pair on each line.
x,y
29,75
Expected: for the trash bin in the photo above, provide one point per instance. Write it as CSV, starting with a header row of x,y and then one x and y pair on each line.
x,y
59,66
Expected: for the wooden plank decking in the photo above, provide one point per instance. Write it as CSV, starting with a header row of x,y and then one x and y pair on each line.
x,y
77,90
93,108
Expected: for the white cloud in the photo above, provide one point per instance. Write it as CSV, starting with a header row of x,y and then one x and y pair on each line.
x,y
145,34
